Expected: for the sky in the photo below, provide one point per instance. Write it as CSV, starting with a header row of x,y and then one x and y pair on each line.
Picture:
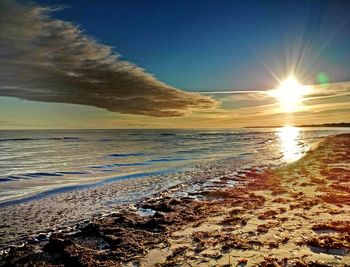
x,y
171,64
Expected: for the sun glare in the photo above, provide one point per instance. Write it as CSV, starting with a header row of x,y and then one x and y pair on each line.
x,y
290,149
290,94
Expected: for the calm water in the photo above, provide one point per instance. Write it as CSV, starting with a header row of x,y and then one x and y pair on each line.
x,y
32,162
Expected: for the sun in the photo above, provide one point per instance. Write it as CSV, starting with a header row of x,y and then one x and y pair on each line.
x,y
290,94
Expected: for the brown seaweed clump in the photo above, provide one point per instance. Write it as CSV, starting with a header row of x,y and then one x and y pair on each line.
x,y
112,240
225,240
269,214
274,262
330,243
338,226
233,220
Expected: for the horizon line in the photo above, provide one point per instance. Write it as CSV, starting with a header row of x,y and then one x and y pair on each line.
x,y
214,128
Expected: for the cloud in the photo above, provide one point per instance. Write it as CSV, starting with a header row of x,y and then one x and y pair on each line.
x,y
329,91
319,93
51,60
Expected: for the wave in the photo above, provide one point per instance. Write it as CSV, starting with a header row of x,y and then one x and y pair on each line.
x,y
64,138
9,178
166,159
41,174
71,172
15,139
38,175
168,134
127,154
119,165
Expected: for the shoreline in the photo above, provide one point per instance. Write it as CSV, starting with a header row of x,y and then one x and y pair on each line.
x,y
23,186
56,212
71,188
218,224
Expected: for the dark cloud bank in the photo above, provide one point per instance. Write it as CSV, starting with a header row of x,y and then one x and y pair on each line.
x,y
45,59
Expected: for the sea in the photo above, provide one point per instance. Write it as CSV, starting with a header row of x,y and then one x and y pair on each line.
x,y
37,163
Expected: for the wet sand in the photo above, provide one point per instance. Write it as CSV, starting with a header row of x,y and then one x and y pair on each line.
x,y
61,212
297,215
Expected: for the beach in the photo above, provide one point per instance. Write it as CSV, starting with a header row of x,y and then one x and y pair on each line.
x,y
51,180
174,133
295,215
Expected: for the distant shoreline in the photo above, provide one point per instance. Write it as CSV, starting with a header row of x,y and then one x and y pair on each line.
x,y
342,124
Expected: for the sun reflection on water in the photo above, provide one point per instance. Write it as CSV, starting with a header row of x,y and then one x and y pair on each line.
x,y
290,148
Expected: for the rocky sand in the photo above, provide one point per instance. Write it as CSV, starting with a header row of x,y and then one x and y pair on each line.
x,y
297,215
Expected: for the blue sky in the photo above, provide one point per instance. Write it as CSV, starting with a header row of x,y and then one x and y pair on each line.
x,y
55,76
219,45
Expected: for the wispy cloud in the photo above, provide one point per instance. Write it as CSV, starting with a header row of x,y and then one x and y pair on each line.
x,y
46,59
334,92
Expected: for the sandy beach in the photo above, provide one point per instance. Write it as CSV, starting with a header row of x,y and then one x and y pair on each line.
x,y
174,133
297,215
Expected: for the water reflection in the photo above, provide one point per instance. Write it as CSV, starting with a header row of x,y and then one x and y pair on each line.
x,y
290,147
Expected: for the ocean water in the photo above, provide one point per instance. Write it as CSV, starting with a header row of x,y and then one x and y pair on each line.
x,y
38,162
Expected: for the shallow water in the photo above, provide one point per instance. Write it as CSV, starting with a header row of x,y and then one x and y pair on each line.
x,y
33,163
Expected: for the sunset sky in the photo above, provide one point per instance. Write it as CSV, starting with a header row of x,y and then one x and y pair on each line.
x,y
171,64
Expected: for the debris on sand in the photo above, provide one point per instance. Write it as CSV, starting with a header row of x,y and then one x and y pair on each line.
x,y
299,213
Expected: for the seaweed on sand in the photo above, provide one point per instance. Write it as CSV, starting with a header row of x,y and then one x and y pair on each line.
x,y
338,226
335,243
275,262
